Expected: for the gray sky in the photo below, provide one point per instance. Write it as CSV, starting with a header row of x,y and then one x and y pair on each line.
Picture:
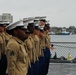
x,y
61,13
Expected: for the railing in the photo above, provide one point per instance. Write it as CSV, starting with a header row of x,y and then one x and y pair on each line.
x,y
63,49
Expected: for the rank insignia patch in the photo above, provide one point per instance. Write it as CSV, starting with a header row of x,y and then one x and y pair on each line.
x,y
12,53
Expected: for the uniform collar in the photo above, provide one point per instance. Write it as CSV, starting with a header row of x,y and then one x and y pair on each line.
x,y
17,39
32,35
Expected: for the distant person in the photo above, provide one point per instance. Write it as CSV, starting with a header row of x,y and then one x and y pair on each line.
x,y
55,56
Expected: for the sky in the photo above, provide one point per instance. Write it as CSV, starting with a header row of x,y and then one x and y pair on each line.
x,y
60,13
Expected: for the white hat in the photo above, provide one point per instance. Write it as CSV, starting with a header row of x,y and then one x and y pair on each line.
x,y
37,19
7,22
40,17
4,23
15,24
1,22
42,26
29,20
25,26
36,24
26,21
41,29
43,17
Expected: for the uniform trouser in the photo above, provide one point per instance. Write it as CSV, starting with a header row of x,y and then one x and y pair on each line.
x,y
31,69
40,65
3,65
36,68
46,60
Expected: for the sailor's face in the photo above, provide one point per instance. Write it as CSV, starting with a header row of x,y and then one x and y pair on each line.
x,y
36,31
47,31
21,33
41,34
1,29
42,23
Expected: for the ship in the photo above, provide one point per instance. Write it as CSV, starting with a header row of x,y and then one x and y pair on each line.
x,y
60,32
51,33
63,32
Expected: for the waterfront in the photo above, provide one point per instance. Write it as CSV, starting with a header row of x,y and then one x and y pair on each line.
x,y
62,49
62,69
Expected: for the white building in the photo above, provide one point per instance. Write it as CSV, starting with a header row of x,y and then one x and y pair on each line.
x,y
6,17
0,17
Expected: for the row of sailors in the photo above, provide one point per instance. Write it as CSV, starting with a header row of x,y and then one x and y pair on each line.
x,y
24,48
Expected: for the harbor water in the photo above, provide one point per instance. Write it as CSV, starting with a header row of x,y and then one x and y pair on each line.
x,y
63,50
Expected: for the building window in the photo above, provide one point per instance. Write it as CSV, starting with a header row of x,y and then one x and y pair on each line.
x,y
3,17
